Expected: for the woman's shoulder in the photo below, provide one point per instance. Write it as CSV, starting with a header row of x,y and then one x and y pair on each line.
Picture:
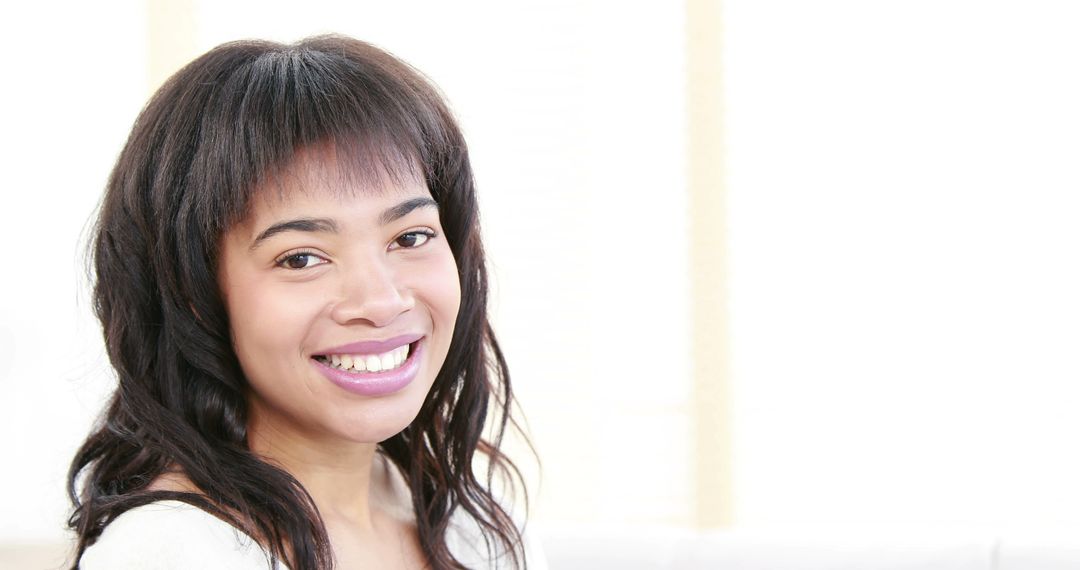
x,y
465,538
168,535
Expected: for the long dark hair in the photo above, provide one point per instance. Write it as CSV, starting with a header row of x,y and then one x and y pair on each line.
x,y
223,126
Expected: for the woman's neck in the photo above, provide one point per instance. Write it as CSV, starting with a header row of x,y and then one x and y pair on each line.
x,y
362,500
343,477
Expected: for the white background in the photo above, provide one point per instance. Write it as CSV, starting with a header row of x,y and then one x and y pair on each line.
x,y
905,289
903,195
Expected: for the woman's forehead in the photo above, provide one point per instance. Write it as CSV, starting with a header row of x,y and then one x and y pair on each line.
x,y
334,194
340,209
349,171
323,175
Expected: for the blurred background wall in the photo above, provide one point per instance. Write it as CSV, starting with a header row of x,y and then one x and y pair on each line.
x,y
784,264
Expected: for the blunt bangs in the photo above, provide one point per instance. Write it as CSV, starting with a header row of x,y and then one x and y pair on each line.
x,y
343,107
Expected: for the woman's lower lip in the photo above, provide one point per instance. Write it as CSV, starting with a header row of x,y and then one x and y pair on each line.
x,y
375,383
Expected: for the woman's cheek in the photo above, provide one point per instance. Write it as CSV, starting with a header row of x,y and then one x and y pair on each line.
x,y
271,320
445,287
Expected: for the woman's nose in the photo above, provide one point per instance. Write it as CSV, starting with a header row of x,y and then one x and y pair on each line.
x,y
371,294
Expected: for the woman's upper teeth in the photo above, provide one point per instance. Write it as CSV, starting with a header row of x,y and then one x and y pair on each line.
x,y
370,362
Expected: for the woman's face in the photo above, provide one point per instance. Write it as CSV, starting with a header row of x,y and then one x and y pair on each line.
x,y
342,302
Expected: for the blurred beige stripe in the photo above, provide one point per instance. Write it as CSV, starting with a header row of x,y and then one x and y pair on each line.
x,y
708,258
34,555
170,38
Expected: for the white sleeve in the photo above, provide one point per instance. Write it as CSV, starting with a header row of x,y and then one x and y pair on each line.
x,y
465,541
172,535
534,552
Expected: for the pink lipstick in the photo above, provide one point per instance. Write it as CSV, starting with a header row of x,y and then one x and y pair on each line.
x,y
373,346
375,383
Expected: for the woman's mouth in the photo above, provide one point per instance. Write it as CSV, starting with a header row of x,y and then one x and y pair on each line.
x,y
357,363
377,374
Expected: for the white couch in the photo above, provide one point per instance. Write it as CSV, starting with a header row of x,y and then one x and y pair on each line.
x,y
666,549
585,548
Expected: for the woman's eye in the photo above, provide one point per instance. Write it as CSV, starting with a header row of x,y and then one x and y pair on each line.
x,y
413,239
300,260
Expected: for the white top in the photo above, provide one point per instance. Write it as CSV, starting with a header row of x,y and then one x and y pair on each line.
x,y
174,535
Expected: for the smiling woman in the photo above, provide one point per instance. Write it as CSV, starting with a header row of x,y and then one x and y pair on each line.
x,y
292,290
348,294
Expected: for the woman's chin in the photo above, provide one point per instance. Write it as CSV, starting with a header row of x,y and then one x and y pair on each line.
x,y
378,425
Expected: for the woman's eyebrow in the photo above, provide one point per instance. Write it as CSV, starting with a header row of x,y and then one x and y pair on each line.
x,y
297,225
401,210
330,226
